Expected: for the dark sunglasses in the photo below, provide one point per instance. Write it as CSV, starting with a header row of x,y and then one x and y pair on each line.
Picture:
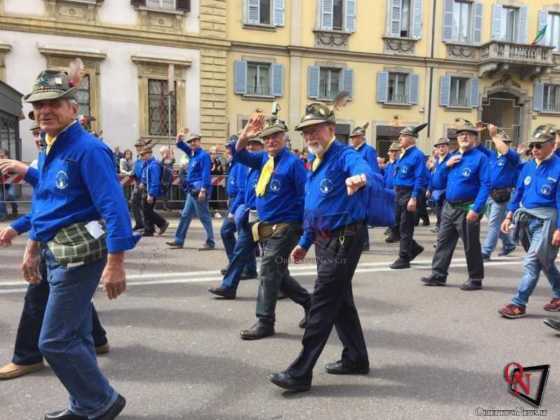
x,y
537,146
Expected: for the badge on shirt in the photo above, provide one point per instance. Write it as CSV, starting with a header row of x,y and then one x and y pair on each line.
x,y
546,189
62,180
501,162
404,169
275,185
527,181
326,186
466,172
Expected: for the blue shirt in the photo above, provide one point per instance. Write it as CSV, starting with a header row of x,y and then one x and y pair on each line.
x,y
198,174
78,183
327,204
503,169
468,180
250,199
369,154
389,175
235,189
438,178
138,169
151,177
411,171
283,201
537,186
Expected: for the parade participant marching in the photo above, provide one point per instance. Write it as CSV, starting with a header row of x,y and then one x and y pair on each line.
x,y
369,154
198,187
389,181
151,179
503,167
335,213
534,211
137,196
438,182
410,183
466,193
81,227
243,260
279,202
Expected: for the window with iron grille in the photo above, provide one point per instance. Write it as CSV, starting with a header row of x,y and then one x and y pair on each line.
x,y
83,96
551,102
162,4
258,79
159,112
459,95
329,83
397,92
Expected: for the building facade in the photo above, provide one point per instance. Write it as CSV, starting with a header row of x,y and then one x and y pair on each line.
x,y
403,61
152,67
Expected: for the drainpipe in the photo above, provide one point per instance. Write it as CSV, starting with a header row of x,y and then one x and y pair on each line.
x,y
432,53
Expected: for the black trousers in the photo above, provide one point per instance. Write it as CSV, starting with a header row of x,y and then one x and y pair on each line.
x,y
332,304
406,225
136,206
454,225
151,217
421,209
26,350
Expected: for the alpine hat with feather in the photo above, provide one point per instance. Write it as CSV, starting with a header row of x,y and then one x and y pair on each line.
x,y
413,131
318,113
55,84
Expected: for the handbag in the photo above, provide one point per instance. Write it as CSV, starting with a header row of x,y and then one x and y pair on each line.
x,y
75,244
501,195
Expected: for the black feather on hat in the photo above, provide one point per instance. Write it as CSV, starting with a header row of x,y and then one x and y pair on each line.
x,y
413,131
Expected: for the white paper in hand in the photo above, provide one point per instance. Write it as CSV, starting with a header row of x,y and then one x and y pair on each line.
x,y
95,229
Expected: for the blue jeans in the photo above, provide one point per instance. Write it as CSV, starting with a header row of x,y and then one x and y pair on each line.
x,y
192,206
66,336
227,232
496,215
243,257
532,268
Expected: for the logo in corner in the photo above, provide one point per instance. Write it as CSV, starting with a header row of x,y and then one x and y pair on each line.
x,y
62,180
527,383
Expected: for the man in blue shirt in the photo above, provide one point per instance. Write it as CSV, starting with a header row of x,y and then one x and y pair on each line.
x,y
151,180
137,195
534,210
466,193
279,201
389,174
368,153
335,214
198,187
243,209
503,167
438,183
410,184
77,189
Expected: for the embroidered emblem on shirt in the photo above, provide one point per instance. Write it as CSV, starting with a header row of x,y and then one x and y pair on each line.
x,y
61,180
326,186
527,181
546,190
275,185
466,172
404,170
501,162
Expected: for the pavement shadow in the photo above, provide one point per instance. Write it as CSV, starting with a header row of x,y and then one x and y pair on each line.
x,y
367,305
179,291
419,343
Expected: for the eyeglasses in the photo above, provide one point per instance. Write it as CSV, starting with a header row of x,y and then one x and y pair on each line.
x,y
537,146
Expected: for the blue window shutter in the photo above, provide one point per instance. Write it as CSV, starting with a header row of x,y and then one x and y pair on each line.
x,y
327,14
522,26
497,17
417,18
240,77
350,11
382,86
413,82
313,82
394,18
448,20
348,81
277,80
538,97
477,23
475,94
253,15
279,13
445,91
543,21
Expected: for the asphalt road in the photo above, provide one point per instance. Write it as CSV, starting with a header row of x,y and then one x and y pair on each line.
x,y
435,353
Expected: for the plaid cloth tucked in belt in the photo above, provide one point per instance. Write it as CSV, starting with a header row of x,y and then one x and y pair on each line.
x,y
74,244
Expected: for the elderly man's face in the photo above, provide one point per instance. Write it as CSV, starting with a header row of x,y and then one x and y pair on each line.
x,y
442,150
542,150
318,136
54,115
357,140
275,143
406,141
254,146
194,144
467,140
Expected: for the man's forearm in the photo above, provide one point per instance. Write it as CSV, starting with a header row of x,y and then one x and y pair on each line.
x,y
116,259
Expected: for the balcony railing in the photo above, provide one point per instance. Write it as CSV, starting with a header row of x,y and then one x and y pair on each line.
x,y
508,52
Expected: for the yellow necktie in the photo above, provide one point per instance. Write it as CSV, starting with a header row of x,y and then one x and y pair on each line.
x,y
264,178
50,142
317,161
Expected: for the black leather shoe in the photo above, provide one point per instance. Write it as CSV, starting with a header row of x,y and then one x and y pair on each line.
x,y
339,368
227,294
174,245
392,239
164,228
64,415
286,381
553,323
506,252
400,264
433,281
303,323
471,285
114,410
249,276
258,331
417,252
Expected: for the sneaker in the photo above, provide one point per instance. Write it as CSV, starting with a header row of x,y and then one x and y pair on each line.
x,y
512,311
553,305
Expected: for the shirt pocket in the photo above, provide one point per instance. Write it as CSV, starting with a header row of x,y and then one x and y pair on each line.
x,y
64,176
546,188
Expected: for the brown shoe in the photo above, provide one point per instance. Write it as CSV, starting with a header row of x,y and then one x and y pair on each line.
x,y
553,305
102,349
512,311
12,371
